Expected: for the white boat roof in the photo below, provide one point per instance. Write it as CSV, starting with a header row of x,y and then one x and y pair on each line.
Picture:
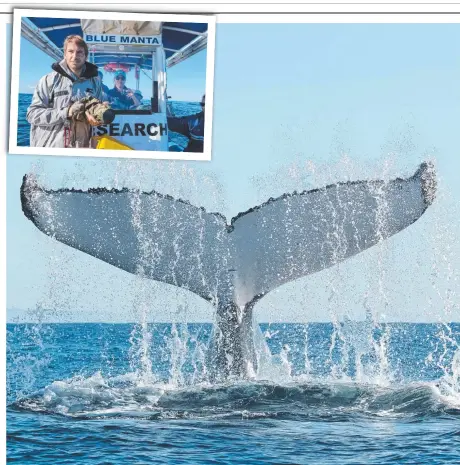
x,y
179,40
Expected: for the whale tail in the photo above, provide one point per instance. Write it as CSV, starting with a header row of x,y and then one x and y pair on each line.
x,y
231,265
276,242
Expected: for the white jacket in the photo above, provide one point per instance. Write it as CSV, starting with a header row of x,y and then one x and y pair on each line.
x,y
53,95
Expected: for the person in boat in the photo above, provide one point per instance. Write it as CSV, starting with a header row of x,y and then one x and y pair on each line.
x,y
122,97
138,94
105,89
191,126
72,78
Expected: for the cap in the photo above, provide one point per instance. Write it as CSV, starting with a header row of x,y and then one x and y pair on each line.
x,y
119,72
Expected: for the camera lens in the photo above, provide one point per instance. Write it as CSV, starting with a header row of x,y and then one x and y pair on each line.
x,y
108,116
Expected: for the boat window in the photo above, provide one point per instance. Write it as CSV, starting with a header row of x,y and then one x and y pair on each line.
x,y
126,90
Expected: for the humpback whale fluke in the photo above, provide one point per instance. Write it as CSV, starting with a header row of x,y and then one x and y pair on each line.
x,y
231,265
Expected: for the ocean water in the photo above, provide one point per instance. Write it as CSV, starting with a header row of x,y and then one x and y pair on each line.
x,y
177,109
350,393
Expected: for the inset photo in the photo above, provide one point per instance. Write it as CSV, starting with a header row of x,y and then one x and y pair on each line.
x,y
130,85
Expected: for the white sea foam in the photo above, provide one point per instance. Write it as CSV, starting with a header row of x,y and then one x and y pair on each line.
x,y
129,396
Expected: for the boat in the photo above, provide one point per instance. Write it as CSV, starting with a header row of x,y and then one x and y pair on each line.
x,y
145,49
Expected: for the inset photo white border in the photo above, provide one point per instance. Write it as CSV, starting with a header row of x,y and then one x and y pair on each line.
x,y
162,79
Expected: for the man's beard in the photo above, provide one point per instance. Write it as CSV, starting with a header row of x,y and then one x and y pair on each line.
x,y
75,68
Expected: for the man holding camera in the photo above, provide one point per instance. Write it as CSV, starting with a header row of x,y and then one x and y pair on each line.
x,y
72,79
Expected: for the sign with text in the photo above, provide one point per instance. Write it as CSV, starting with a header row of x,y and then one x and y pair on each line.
x,y
139,132
116,39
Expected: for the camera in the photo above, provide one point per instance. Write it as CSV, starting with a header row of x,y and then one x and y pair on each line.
x,y
100,111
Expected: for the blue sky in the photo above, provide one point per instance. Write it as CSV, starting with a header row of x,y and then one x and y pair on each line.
x,y
186,81
295,106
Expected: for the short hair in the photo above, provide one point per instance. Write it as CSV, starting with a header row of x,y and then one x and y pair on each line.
x,y
78,41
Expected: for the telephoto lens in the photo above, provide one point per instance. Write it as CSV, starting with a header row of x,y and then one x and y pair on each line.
x,y
108,116
99,110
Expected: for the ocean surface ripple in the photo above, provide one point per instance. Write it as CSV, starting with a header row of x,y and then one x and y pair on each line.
x,y
73,397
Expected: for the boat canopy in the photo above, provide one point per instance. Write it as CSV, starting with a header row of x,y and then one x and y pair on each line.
x,y
179,40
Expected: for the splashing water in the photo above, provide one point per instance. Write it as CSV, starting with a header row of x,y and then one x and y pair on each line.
x,y
351,363
283,388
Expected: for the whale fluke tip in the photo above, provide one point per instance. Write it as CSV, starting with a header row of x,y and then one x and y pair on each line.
x,y
29,185
427,174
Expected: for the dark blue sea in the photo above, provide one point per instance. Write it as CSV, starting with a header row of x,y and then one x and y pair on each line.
x,y
353,393
177,109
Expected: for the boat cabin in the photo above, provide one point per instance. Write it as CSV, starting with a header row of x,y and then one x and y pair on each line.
x,y
139,51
